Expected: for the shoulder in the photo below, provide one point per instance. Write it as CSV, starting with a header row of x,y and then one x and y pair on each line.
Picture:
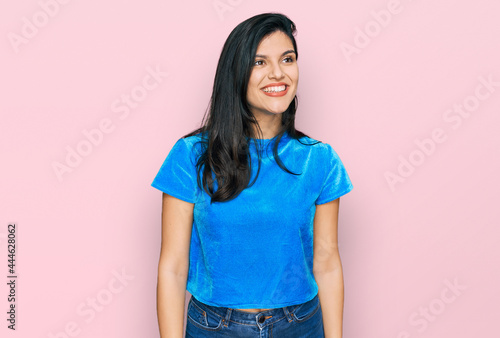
x,y
313,145
192,143
319,153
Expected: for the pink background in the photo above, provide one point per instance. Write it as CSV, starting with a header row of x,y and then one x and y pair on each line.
x,y
403,246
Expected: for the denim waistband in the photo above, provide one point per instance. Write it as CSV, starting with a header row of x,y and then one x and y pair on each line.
x,y
250,318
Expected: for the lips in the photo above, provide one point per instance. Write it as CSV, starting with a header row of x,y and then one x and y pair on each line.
x,y
277,84
276,93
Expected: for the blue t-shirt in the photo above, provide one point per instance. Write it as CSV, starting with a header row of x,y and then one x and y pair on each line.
x,y
256,251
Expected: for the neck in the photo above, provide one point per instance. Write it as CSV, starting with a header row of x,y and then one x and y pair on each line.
x,y
270,125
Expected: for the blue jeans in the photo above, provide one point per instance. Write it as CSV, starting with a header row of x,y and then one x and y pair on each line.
x,y
296,321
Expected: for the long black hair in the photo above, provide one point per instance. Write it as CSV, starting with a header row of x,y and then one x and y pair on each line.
x,y
230,120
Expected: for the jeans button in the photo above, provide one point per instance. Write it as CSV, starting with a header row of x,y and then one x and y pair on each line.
x,y
262,319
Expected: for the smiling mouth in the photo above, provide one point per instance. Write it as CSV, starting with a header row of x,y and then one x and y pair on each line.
x,y
275,89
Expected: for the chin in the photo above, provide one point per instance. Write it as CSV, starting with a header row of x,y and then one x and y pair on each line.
x,y
279,108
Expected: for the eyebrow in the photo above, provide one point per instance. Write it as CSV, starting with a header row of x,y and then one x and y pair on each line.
x,y
285,53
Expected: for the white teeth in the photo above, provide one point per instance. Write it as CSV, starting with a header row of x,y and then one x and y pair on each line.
x,y
274,89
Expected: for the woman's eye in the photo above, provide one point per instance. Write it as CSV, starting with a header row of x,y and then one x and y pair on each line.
x,y
257,62
289,58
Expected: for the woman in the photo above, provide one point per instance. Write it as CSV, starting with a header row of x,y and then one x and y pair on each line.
x,y
257,249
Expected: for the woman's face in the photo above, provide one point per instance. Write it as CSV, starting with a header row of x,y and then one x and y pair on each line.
x,y
274,77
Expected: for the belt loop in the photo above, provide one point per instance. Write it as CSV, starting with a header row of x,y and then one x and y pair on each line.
x,y
228,315
287,314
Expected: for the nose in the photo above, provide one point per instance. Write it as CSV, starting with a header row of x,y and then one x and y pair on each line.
x,y
276,71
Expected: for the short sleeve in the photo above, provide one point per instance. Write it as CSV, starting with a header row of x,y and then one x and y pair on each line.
x,y
177,175
337,181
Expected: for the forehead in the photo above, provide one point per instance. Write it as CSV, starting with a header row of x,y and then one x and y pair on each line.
x,y
275,41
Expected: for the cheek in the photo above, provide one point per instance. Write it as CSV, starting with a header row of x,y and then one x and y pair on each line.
x,y
252,91
253,85
294,74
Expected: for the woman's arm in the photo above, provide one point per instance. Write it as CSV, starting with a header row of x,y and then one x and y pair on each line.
x,y
327,267
173,267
